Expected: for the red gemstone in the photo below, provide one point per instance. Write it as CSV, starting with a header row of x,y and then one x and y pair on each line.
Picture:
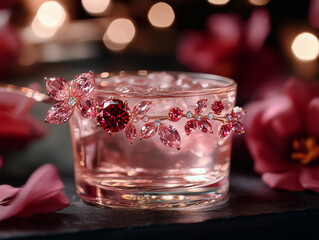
x,y
87,108
237,113
57,88
200,106
190,126
130,132
237,127
114,116
205,126
224,130
175,114
169,136
217,107
148,130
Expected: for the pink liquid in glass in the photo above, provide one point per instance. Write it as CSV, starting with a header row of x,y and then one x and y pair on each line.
x,y
110,171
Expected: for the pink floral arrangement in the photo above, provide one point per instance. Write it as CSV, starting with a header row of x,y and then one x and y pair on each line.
x,y
283,137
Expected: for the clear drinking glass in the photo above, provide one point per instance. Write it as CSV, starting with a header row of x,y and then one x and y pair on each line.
x,y
192,172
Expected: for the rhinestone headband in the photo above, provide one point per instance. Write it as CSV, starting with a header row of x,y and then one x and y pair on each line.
x,y
114,115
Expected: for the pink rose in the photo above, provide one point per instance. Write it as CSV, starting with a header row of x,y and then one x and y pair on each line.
x,y
41,194
235,48
17,126
282,135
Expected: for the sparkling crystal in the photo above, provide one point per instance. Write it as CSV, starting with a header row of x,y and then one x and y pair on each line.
x,y
83,85
200,106
157,123
72,101
135,119
145,118
189,114
175,114
237,113
130,132
224,130
190,126
198,117
169,136
210,116
148,130
183,82
228,117
141,107
217,107
113,117
205,126
57,88
59,113
87,108
237,127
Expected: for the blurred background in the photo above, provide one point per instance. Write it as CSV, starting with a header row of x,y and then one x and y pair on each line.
x,y
259,43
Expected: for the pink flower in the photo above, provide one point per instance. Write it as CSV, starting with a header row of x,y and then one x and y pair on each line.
x,y
234,48
41,194
17,126
73,95
283,137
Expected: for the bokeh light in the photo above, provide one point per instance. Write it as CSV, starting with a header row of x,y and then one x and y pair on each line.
x,y
95,7
259,2
119,34
161,15
305,46
218,2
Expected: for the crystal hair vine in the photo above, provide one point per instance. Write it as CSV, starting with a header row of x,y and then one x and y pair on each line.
x,y
115,115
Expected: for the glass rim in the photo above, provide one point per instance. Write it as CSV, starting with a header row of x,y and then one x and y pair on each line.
x,y
231,85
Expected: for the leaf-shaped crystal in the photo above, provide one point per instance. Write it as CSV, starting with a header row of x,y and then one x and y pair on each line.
x,y
237,113
57,88
190,126
59,113
87,108
141,108
205,126
148,130
237,127
224,130
169,136
200,106
83,85
130,132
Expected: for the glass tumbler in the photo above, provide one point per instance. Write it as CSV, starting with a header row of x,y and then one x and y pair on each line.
x,y
160,141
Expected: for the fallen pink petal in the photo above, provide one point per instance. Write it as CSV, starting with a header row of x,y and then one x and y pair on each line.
x,y
42,193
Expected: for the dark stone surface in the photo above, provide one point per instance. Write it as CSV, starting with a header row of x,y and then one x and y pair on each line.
x,y
253,209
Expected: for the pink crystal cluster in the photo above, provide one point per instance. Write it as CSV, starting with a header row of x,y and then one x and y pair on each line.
x,y
114,115
73,95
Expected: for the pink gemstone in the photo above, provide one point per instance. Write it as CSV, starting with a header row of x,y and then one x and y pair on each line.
x,y
190,126
59,113
87,108
169,136
148,130
130,132
205,126
114,116
224,130
217,107
175,114
237,127
135,119
237,113
200,106
57,88
83,85
141,108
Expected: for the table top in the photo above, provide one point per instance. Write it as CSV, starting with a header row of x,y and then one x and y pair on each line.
x,y
252,209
